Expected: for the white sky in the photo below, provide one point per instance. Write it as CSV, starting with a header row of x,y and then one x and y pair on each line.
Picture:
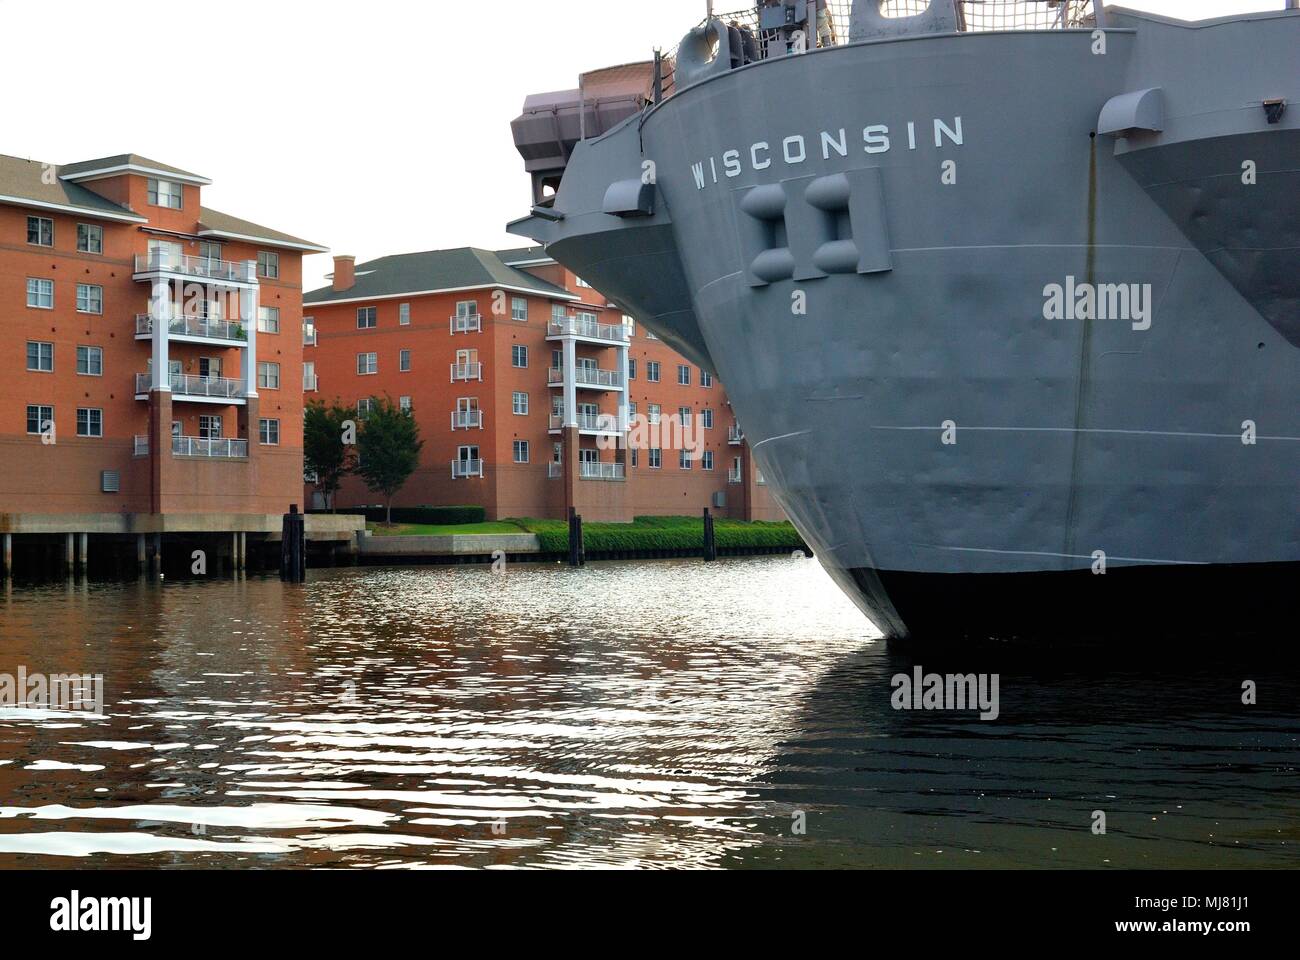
x,y
370,127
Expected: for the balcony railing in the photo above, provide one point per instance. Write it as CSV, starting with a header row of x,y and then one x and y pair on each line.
x,y
461,469
592,422
554,470
734,435
600,471
187,386
142,446
466,371
310,383
733,475
587,377
308,333
158,261
196,326
467,420
202,447
470,324
587,327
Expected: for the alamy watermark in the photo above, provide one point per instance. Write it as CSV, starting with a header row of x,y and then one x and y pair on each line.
x,y
73,692
1098,301
954,691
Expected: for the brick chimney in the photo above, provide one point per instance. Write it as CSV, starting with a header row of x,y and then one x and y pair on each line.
x,y
345,273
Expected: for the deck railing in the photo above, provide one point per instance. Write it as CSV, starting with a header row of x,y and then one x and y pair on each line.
x,y
158,261
601,471
204,447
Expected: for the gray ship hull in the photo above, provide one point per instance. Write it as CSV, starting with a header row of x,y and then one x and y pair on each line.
x,y
863,242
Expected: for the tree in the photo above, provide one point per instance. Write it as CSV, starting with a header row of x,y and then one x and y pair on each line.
x,y
329,445
389,450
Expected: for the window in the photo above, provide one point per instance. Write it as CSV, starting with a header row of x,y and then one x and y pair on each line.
x,y
629,325
40,356
684,459
40,418
268,432
518,308
209,368
519,355
706,378
209,427
521,451
467,308
404,314
636,461
164,193
364,406
90,238
210,251
268,265
652,413
559,312
404,361
683,375
631,408
520,403
652,371
684,414
40,231
706,419
309,375
557,453
90,361
655,458
40,294
707,460
581,282
404,404
268,319
268,375
308,332
649,335
631,368
367,318
557,359
90,298
367,363
90,422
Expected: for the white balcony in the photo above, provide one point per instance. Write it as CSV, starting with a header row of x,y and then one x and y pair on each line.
x,y
603,424
469,324
463,469
158,262
219,449
585,328
466,371
142,445
554,470
195,389
467,420
600,471
733,475
588,378
198,329
734,436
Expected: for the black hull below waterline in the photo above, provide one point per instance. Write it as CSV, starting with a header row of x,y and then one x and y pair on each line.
x,y
1126,607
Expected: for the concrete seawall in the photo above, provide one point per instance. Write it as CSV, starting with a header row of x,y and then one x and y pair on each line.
x,y
449,546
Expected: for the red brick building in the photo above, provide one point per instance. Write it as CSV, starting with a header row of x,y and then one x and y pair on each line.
x,y
533,392
154,352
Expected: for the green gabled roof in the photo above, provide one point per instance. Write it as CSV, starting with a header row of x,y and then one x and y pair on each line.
x,y
434,271
213,223
23,182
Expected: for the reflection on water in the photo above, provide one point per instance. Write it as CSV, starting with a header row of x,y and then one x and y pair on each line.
x,y
658,714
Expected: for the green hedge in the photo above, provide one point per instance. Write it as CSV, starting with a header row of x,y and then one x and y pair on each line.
x,y
663,533
434,516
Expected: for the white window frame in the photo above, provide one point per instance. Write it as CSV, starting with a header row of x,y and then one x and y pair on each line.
x,y
403,314
92,296
367,364
652,371
84,239
162,193
683,375
93,356
268,375
517,351
268,319
39,289
404,361
41,224
521,446
44,356
655,458
519,309
367,318
268,264
519,403
44,415
268,431
93,420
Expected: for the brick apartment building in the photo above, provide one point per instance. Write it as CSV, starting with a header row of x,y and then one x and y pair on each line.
x,y
533,392
153,380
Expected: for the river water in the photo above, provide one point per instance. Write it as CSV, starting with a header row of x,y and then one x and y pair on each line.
x,y
663,714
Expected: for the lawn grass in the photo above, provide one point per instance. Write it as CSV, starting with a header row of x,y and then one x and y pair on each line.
x,y
443,530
